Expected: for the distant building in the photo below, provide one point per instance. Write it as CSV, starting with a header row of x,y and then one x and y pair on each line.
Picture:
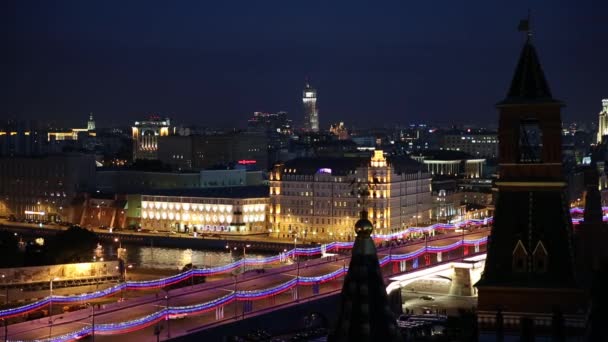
x,y
339,130
603,122
43,188
278,129
270,122
451,163
479,145
91,123
145,137
128,181
198,152
230,177
73,133
22,138
98,209
125,181
234,210
313,199
311,112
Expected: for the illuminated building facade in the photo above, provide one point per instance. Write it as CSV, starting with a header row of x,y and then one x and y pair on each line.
x,y
451,163
238,210
311,113
73,133
339,130
313,199
145,136
602,129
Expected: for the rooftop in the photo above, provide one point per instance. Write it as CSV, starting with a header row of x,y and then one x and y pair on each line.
x,y
222,192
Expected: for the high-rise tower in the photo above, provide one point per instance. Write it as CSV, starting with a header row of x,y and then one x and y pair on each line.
x,y
91,123
602,128
311,113
529,282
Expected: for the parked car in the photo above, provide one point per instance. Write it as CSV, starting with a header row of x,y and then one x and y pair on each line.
x,y
427,297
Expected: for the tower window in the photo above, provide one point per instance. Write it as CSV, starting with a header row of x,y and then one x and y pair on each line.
x,y
520,256
530,142
540,257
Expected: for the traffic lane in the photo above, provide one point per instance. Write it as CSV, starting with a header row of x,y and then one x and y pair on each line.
x,y
41,329
452,304
438,243
231,311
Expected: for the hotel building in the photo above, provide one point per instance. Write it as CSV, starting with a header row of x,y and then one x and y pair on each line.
x,y
316,198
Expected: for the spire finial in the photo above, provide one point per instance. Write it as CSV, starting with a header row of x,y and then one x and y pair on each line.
x,y
524,26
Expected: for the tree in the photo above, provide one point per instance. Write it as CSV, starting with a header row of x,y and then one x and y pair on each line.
x,y
75,244
10,256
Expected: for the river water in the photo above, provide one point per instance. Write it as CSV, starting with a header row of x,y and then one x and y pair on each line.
x,y
173,258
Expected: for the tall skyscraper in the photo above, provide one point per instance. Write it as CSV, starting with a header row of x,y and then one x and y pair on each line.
x,y
529,280
91,123
602,129
311,113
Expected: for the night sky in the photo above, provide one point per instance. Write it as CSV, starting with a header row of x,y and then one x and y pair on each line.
x,y
213,63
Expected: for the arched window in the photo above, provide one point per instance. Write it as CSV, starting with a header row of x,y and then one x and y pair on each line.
x,y
540,258
520,256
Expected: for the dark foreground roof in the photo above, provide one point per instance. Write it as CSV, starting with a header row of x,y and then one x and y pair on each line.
x,y
223,192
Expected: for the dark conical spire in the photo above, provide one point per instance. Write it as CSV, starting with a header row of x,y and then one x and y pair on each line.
x,y
529,83
365,314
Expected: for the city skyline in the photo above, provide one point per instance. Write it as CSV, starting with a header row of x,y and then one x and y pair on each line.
x,y
215,66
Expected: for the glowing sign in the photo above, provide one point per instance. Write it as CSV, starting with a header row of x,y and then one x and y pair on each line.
x,y
324,170
247,161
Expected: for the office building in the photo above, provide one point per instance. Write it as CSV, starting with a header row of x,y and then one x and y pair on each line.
x,y
43,188
477,144
198,152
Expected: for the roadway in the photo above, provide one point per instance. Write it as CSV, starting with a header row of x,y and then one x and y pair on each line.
x,y
147,304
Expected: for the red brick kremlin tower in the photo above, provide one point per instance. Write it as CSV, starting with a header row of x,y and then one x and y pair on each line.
x,y
529,287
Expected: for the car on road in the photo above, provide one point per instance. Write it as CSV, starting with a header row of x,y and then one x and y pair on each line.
x,y
427,297
177,316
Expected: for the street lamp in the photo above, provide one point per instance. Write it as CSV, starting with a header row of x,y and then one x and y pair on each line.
x,y
168,315
92,321
129,266
297,260
245,256
6,300
51,305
